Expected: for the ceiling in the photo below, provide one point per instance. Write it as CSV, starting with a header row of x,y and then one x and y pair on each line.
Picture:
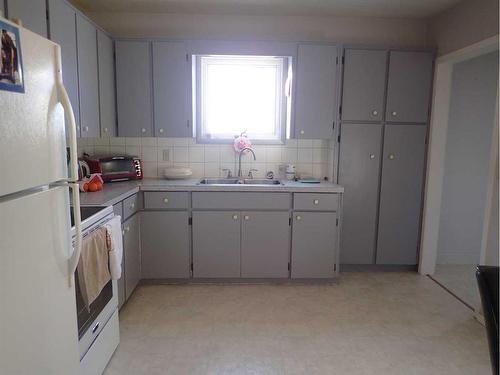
x,y
364,8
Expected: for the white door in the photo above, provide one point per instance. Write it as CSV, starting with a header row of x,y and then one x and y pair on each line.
x,y
38,321
32,141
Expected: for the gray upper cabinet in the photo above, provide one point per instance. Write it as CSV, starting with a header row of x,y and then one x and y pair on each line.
x,y
401,194
165,244
359,170
315,93
62,27
132,254
170,83
107,99
265,244
409,86
32,13
88,77
133,86
314,244
216,244
364,85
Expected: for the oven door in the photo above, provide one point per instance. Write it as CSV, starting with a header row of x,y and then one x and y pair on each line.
x,y
92,321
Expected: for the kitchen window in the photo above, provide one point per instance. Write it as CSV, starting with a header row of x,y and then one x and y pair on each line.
x,y
236,94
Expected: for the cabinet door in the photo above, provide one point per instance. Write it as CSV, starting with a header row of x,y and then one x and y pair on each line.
x,y
314,244
364,85
62,27
133,88
216,244
32,13
165,244
409,86
170,81
359,171
132,254
88,77
107,102
265,244
401,194
316,85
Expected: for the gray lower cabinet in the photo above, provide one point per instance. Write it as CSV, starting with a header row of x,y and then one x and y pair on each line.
x,y
170,84
314,244
359,171
107,98
88,81
265,244
165,244
409,86
133,88
363,87
216,244
132,254
32,13
62,27
401,194
316,87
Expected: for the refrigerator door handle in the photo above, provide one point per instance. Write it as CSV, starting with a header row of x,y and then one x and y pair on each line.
x,y
75,191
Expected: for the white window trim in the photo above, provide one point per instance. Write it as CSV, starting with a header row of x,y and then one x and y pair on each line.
x,y
284,91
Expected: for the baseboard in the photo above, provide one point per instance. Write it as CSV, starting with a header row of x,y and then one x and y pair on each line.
x,y
378,268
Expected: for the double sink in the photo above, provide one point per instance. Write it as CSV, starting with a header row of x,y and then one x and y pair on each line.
x,y
236,181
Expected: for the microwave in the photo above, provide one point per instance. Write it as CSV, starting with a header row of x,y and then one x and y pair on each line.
x,y
116,168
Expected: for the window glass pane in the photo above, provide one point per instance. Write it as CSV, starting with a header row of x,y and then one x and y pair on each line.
x,y
241,93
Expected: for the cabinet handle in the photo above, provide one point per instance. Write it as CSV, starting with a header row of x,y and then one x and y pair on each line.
x,y
161,131
392,156
298,217
372,156
143,130
394,113
235,217
165,200
316,201
247,217
374,113
302,132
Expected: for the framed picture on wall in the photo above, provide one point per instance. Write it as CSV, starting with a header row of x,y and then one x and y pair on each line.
x,y
11,66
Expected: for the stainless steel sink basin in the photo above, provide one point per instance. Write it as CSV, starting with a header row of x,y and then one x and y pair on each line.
x,y
219,181
261,182
235,181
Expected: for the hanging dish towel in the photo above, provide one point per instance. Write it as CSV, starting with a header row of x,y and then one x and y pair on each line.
x,y
93,269
114,228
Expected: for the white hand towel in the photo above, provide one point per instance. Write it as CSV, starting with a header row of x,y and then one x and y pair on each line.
x,y
114,227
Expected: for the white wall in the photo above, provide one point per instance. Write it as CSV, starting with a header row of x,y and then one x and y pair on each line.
x,y
468,22
466,173
492,250
392,31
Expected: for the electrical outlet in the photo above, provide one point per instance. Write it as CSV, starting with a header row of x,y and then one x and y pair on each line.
x,y
166,154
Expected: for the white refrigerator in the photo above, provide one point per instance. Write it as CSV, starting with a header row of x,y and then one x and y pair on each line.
x,y
38,322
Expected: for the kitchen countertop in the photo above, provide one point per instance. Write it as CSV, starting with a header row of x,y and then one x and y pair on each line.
x,y
115,192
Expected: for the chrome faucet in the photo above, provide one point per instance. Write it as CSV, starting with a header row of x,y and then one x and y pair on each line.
x,y
239,160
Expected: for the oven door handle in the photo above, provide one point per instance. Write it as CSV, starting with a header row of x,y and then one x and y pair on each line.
x,y
75,189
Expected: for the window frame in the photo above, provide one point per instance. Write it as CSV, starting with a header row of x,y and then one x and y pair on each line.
x,y
285,102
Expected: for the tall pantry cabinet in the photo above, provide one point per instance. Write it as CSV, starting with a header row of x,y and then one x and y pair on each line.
x,y
384,114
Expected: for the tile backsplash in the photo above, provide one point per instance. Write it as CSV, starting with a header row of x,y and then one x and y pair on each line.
x,y
312,157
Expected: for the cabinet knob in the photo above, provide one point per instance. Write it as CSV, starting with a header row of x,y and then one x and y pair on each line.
x,y
392,156
127,229
298,217
374,113
85,128
143,130
165,200
160,130
105,130
372,156
316,201
247,217
132,206
235,217
394,113
302,132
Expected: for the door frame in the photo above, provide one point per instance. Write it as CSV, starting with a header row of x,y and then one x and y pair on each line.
x,y
437,150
